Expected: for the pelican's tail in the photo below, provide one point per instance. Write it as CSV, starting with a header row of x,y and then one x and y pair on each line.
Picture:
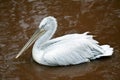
x,y
108,50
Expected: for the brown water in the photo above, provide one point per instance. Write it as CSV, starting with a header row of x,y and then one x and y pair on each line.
x,y
20,18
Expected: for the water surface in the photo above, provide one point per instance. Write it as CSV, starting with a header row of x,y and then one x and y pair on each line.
x,y
19,19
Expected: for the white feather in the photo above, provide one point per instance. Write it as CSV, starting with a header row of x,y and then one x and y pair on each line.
x,y
67,50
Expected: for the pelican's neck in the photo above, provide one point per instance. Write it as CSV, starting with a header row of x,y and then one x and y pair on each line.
x,y
41,40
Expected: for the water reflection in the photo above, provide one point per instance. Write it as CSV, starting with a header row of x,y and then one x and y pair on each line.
x,y
19,19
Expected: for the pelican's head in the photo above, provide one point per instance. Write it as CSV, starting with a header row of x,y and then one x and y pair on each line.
x,y
48,23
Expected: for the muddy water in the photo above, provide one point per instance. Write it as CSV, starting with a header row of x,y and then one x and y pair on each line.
x,y
20,18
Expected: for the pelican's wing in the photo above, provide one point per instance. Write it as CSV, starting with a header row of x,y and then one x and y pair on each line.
x,y
73,50
67,37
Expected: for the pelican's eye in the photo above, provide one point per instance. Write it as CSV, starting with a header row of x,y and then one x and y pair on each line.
x,y
43,26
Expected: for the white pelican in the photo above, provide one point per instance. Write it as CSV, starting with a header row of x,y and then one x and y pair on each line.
x,y
69,49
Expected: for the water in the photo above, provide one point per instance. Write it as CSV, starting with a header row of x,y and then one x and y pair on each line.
x,y
19,19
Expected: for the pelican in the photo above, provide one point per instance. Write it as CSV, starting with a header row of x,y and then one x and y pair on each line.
x,y
69,49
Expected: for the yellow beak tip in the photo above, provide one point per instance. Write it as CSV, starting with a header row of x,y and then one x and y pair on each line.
x,y
16,56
